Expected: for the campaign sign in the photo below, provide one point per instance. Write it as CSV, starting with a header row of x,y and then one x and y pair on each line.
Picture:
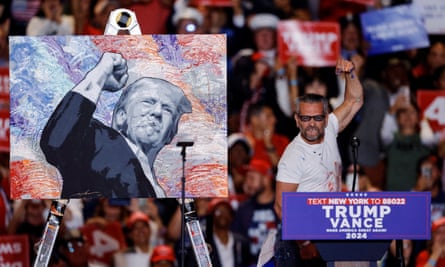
x,y
314,44
103,241
394,29
356,215
433,13
432,107
14,250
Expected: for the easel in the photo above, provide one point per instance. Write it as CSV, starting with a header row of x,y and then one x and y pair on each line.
x,y
125,20
119,20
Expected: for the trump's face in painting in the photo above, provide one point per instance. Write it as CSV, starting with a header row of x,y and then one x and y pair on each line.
x,y
149,111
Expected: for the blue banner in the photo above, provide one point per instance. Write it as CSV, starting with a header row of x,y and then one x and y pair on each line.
x,y
356,216
394,29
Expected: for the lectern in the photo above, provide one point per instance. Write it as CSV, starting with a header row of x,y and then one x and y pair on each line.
x,y
356,226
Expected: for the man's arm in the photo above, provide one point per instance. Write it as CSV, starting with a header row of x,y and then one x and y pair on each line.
x,y
353,100
280,188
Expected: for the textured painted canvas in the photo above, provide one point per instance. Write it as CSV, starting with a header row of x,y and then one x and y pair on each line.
x,y
105,116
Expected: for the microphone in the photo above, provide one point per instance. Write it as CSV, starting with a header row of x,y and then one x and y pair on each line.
x,y
355,142
185,143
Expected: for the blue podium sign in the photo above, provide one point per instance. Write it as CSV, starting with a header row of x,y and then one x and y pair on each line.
x,y
356,216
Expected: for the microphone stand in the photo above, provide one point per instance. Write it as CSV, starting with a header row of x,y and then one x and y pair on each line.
x,y
355,143
191,222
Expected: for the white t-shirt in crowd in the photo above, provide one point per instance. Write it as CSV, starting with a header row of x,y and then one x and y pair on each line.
x,y
315,168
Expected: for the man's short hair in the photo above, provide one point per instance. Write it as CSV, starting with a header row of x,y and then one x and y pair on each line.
x,y
184,105
311,99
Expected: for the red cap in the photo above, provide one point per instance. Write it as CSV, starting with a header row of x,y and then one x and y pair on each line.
x,y
438,223
163,252
137,216
261,166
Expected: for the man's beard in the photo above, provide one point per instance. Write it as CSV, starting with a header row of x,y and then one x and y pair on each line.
x,y
312,137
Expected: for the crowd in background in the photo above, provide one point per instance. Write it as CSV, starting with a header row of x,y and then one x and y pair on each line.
x,y
398,149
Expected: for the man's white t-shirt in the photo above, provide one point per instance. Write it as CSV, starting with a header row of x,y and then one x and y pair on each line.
x,y
315,168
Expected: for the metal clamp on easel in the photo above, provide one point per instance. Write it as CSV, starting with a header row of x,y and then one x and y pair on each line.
x,y
122,20
52,227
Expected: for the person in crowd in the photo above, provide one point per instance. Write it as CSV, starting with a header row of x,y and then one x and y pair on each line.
x,y
423,72
29,218
163,256
81,11
139,232
311,162
438,78
228,249
188,20
155,210
428,173
254,73
145,119
51,20
255,217
380,95
97,17
261,132
434,254
403,144
239,155
351,36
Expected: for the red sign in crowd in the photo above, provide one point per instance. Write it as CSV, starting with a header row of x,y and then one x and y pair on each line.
x,y
432,106
14,250
103,241
314,44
